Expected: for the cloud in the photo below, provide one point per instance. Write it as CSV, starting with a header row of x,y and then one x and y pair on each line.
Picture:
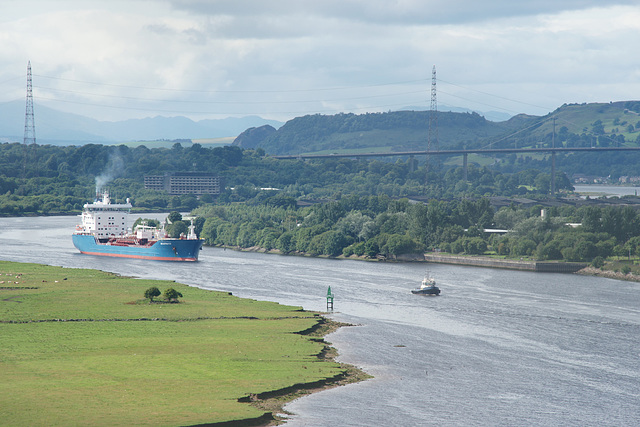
x,y
210,59
390,12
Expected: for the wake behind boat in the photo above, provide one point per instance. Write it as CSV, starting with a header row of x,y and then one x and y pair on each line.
x,y
104,232
428,287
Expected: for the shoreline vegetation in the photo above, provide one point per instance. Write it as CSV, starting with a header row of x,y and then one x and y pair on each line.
x,y
611,270
383,228
85,347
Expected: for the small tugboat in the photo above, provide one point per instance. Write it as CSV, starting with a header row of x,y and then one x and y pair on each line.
x,y
428,287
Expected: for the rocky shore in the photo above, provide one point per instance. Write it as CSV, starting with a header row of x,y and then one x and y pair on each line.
x,y
592,271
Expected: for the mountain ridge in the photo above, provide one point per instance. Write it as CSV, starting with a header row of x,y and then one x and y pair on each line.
x,y
601,124
372,132
60,128
404,130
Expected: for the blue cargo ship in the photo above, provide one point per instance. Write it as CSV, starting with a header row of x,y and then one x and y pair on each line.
x,y
104,232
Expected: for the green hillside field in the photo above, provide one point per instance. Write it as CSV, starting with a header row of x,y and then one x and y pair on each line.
x,y
616,117
84,347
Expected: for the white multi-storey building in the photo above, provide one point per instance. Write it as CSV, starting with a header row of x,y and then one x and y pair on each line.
x,y
176,183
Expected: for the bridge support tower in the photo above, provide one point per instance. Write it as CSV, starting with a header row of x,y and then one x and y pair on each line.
x,y
465,166
553,174
553,161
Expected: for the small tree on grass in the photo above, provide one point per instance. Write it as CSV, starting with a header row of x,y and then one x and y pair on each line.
x,y
172,295
151,293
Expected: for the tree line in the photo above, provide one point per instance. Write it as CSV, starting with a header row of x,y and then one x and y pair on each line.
x,y
45,180
374,226
357,207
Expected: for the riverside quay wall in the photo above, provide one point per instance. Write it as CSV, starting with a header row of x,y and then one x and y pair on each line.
x,y
546,267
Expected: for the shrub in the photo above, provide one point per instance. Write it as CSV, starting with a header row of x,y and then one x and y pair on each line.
x,y
348,251
371,248
151,293
359,249
172,295
598,262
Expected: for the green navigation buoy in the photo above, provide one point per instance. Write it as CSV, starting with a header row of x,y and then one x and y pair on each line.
x,y
329,299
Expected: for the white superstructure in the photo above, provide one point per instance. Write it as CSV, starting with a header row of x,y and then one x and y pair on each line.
x,y
104,219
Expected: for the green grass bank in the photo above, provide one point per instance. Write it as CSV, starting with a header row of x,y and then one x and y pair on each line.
x,y
84,347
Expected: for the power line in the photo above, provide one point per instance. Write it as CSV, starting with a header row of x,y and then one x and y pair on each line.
x,y
226,112
234,102
132,98
537,123
234,91
495,96
478,102
11,79
268,102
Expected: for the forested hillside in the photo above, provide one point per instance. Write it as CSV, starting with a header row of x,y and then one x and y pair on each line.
x,y
393,131
584,125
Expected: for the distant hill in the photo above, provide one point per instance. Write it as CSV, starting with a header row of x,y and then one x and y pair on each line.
x,y
381,132
252,137
604,124
579,118
494,116
60,128
406,130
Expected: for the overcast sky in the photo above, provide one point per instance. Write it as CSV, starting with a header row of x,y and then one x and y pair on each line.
x,y
120,59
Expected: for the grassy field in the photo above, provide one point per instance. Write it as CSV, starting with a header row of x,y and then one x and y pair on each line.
x,y
83,347
205,142
214,142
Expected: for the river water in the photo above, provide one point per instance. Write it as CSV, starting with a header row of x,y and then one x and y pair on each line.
x,y
597,190
497,348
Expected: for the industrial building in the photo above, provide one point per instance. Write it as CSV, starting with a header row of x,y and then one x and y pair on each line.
x,y
177,183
